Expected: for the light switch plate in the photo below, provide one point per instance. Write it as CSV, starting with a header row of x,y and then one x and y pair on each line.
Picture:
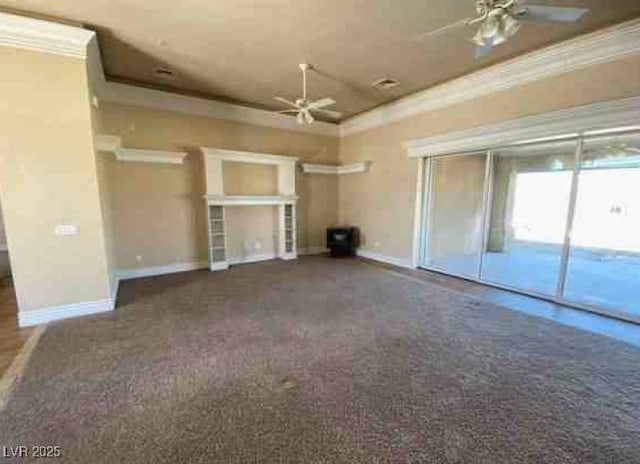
x,y
66,229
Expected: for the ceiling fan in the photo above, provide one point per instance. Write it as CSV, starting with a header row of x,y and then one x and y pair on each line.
x,y
303,108
499,20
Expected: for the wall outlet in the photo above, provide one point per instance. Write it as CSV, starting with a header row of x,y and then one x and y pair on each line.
x,y
66,229
376,244
139,258
258,245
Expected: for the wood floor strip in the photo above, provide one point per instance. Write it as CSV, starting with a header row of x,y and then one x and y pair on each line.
x,y
17,367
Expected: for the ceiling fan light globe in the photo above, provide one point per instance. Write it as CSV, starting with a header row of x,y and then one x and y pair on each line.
x,y
479,39
300,118
308,117
510,25
500,37
490,27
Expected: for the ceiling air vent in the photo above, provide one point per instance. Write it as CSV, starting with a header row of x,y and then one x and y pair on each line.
x,y
385,83
163,73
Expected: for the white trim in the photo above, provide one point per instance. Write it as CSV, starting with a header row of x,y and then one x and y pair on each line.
x,y
114,292
113,143
125,274
406,263
417,214
115,92
44,36
251,200
251,258
598,47
568,122
238,156
54,313
354,168
316,250
219,266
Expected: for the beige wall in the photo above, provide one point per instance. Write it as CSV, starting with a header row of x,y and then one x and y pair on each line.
x,y
251,231
158,211
47,178
382,202
249,179
105,201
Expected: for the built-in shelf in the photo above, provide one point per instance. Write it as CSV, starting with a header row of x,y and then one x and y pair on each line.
x,y
251,200
354,168
218,201
113,144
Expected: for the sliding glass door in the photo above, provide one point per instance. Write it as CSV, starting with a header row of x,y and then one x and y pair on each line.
x,y
529,210
455,213
604,264
556,219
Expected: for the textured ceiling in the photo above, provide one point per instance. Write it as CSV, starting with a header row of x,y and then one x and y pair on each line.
x,y
248,51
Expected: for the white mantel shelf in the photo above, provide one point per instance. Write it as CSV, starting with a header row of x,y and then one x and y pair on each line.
x,y
113,144
354,168
251,200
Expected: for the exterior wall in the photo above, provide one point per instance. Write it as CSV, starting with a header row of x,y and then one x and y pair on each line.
x,y
381,203
158,210
48,177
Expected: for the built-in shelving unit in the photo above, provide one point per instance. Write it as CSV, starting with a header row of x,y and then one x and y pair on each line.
x,y
217,201
217,237
113,144
363,166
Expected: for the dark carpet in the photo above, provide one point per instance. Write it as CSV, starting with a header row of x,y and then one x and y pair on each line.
x,y
323,361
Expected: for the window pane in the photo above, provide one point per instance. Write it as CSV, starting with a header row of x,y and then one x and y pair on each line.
x,y
454,224
604,263
529,207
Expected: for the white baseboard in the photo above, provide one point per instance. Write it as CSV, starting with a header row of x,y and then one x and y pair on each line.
x,y
125,274
318,250
114,292
406,263
54,313
251,258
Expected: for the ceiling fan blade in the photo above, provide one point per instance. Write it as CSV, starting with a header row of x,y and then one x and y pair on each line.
x,y
288,111
484,50
286,102
308,117
441,30
321,103
552,13
329,113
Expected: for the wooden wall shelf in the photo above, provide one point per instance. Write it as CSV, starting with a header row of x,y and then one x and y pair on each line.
x,y
354,168
113,144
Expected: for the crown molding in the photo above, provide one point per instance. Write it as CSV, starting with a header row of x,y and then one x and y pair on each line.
x,y
113,144
587,120
598,47
354,168
44,36
114,92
